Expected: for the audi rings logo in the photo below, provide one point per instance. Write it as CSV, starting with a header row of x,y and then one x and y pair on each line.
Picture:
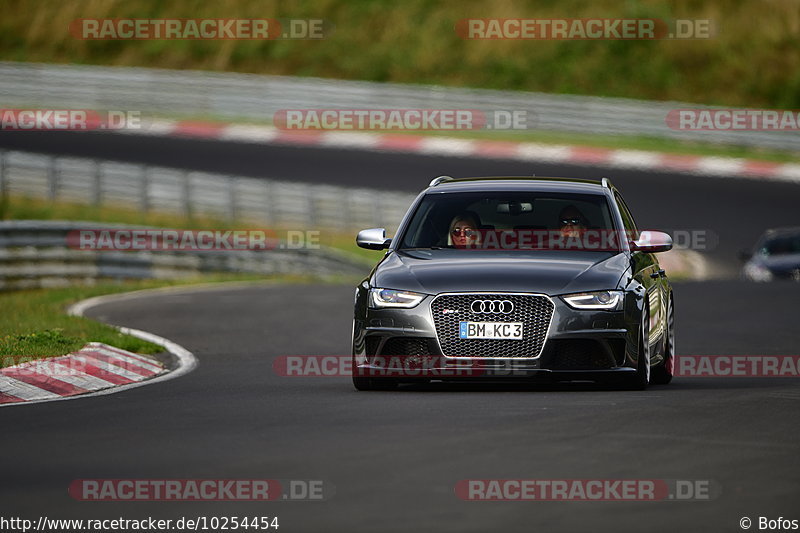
x,y
497,307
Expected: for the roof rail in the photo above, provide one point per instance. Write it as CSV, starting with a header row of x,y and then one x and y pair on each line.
x,y
606,183
436,181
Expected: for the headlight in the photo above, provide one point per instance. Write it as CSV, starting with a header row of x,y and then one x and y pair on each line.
x,y
379,298
756,272
605,300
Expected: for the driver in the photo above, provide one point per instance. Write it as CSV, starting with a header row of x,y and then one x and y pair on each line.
x,y
463,230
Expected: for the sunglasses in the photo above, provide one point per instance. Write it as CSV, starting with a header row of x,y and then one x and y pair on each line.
x,y
571,221
465,232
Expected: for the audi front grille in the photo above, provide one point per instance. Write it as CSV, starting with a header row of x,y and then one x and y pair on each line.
x,y
535,311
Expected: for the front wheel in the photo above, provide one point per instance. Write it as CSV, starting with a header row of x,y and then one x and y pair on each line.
x,y
663,371
641,379
363,383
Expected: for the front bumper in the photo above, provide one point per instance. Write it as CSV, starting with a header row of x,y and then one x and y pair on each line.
x,y
580,344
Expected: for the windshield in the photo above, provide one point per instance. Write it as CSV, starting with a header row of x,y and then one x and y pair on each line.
x,y
787,244
512,220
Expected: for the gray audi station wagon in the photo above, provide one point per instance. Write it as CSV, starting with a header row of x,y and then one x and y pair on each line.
x,y
515,278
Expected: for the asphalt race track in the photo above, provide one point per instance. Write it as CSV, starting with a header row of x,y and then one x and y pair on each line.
x,y
732,212
394,457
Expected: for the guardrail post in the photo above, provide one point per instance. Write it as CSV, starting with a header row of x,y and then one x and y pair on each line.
x,y
3,186
312,220
98,184
377,212
347,219
269,203
52,179
144,199
232,210
187,194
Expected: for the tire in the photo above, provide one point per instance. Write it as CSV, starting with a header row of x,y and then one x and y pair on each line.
x,y
383,383
366,384
362,383
641,379
663,371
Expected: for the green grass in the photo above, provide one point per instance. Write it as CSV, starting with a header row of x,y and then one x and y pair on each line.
x,y
34,323
37,325
753,59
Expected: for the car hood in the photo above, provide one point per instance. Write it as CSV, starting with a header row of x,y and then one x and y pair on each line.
x,y
548,272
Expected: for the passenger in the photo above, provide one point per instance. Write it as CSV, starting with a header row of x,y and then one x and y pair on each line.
x,y
464,230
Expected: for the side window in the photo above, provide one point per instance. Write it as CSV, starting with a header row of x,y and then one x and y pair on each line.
x,y
627,218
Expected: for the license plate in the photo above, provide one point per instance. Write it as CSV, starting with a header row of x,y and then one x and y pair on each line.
x,y
490,330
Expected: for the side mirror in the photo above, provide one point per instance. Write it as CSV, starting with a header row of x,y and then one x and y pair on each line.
x,y
651,242
373,239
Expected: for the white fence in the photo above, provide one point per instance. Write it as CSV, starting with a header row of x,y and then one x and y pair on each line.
x,y
274,203
251,97
35,253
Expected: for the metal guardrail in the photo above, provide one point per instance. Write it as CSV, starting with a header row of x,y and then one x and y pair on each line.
x,y
35,253
230,96
274,203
